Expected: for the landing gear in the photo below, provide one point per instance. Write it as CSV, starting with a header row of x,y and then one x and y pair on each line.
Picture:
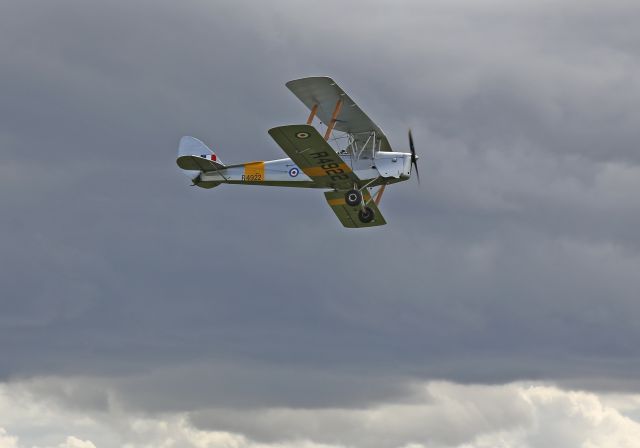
x,y
366,215
353,197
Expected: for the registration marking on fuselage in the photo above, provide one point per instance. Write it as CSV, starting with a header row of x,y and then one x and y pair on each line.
x,y
253,172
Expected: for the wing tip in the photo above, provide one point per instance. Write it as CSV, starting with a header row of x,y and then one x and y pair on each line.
x,y
293,82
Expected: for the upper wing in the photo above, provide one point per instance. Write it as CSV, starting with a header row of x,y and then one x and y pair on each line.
x,y
348,215
314,156
325,93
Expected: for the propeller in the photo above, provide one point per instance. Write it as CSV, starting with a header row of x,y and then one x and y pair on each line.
x,y
414,157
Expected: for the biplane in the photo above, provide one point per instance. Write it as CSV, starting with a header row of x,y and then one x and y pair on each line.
x,y
350,160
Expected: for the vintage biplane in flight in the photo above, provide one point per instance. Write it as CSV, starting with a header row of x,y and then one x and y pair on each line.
x,y
361,160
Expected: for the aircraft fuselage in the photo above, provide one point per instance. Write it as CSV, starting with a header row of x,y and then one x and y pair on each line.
x,y
386,168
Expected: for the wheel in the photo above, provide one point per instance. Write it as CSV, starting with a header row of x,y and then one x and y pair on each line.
x,y
353,197
366,215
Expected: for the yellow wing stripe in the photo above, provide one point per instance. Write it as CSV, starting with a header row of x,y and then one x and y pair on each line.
x,y
328,169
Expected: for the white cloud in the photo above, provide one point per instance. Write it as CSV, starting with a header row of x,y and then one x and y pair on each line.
x,y
515,258
435,415
74,442
7,441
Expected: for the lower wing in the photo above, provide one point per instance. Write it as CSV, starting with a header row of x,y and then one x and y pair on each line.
x,y
350,216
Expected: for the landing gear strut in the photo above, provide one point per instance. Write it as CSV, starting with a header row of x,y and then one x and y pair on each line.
x,y
353,197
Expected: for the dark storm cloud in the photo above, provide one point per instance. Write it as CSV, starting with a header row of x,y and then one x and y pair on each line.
x,y
517,257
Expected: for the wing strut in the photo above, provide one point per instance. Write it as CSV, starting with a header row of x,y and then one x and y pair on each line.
x,y
334,119
312,115
378,195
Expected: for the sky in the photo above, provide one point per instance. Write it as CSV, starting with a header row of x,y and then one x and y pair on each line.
x,y
498,308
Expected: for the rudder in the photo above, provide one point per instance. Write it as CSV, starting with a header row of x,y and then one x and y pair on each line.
x,y
195,157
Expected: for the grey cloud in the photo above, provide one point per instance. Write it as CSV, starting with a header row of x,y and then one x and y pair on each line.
x,y
516,259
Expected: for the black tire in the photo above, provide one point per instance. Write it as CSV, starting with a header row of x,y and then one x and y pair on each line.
x,y
353,197
366,215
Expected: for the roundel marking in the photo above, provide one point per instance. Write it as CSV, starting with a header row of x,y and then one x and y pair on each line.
x,y
293,172
302,135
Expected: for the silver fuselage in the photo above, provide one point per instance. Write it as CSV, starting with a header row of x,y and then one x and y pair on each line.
x,y
385,168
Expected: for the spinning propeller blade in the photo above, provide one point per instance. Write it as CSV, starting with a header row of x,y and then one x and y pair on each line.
x,y
414,158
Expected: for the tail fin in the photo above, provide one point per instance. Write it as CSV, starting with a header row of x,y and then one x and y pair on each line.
x,y
191,146
195,157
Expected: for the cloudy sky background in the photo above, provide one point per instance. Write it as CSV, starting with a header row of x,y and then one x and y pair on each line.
x,y
499,307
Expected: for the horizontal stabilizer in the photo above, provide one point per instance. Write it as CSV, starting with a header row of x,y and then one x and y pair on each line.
x,y
198,163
